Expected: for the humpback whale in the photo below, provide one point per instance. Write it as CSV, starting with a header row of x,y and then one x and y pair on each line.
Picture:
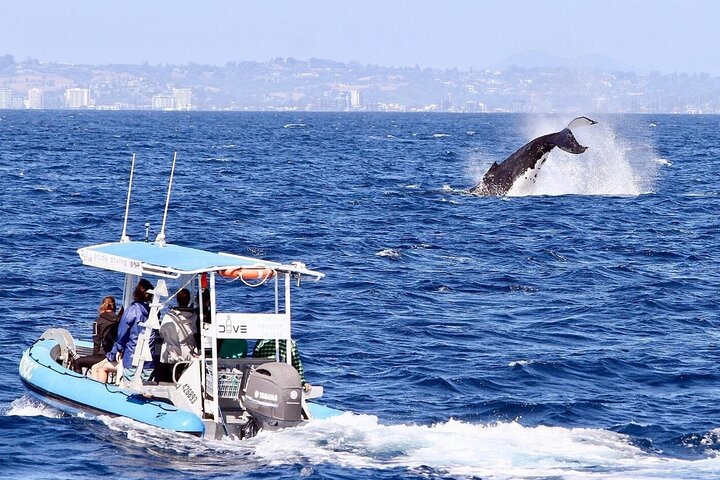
x,y
528,159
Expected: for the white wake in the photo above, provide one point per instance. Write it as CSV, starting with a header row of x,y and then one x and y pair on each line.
x,y
500,451
455,448
28,407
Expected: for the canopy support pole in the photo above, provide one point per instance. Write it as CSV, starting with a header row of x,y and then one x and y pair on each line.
x,y
124,237
160,239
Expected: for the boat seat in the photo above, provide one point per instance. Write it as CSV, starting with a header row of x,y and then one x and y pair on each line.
x,y
83,351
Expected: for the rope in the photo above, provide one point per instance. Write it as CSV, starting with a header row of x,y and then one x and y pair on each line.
x,y
260,283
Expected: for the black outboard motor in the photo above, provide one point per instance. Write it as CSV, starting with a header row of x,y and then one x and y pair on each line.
x,y
273,396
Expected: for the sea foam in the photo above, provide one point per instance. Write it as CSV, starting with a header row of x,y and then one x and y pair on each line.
x,y
610,166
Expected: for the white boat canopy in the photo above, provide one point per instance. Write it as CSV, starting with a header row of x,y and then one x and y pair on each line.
x,y
145,258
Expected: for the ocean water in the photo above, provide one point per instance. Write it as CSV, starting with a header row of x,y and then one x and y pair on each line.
x,y
567,331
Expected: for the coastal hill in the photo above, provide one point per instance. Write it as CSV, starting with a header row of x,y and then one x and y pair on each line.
x,y
517,85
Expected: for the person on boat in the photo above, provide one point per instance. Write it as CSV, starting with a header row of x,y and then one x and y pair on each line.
x,y
266,349
202,301
104,333
177,329
130,329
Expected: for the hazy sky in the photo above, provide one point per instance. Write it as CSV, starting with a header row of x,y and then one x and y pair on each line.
x,y
663,35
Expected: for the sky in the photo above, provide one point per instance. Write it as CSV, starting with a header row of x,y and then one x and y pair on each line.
x,y
646,35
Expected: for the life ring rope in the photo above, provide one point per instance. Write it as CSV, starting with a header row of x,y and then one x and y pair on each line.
x,y
252,276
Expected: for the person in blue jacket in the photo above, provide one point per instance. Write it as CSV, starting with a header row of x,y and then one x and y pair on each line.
x,y
130,329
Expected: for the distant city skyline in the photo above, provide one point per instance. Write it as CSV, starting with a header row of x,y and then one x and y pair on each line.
x,y
288,84
666,35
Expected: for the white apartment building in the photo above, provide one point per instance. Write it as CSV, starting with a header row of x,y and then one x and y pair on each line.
x,y
163,102
77,98
6,98
182,98
355,99
35,99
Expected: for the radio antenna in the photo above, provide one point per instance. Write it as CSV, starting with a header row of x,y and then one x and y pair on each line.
x,y
124,237
160,239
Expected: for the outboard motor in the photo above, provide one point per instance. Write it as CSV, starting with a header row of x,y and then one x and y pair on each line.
x,y
273,396
64,352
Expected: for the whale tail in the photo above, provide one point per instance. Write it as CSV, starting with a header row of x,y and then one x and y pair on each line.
x,y
580,122
500,177
566,141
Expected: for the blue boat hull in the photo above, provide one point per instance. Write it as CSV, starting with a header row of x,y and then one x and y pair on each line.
x,y
71,392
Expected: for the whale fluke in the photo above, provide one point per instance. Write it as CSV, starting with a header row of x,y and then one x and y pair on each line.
x,y
500,177
580,122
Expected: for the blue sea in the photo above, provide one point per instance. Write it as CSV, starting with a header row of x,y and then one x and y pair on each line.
x,y
566,331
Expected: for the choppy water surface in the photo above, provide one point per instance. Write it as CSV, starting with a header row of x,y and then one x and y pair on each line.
x,y
566,331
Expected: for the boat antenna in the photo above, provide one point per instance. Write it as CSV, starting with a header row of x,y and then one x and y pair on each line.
x,y
124,237
160,239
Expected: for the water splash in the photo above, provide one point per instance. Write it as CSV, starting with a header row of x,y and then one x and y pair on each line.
x,y
390,253
28,407
455,448
520,363
452,448
612,165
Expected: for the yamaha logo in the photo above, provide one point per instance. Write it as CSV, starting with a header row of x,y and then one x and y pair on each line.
x,y
270,397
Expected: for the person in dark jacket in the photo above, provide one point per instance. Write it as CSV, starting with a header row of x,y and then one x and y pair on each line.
x,y
132,324
104,333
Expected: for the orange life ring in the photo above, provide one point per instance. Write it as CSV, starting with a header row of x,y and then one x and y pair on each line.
x,y
248,273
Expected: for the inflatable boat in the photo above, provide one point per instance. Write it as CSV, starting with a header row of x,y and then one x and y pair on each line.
x,y
208,394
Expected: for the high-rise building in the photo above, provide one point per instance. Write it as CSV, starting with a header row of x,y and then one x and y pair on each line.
x,y
6,98
163,102
182,98
77,98
35,99
355,100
